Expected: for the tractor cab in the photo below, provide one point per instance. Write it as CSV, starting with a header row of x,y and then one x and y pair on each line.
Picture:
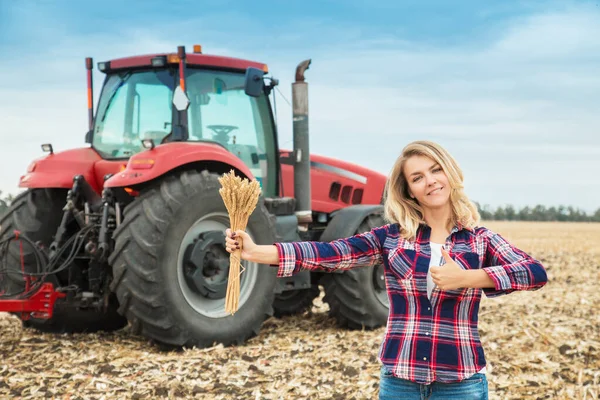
x,y
142,104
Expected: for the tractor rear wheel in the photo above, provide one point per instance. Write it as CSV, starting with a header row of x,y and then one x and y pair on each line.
x,y
357,297
36,214
171,267
294,302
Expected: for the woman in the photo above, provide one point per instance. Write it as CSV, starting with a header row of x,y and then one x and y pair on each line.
x,y
437,263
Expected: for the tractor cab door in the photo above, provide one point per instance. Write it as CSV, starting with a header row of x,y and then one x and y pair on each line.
x,y
222,112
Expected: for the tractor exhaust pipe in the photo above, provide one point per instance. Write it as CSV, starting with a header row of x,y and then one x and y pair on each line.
x,y
90,98
301,147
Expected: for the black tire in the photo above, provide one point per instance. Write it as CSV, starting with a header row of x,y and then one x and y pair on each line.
x,y
294,302
26,214
37,214
357,298
152,265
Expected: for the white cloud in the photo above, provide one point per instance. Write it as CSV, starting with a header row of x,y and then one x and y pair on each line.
x,y
553,36
519,112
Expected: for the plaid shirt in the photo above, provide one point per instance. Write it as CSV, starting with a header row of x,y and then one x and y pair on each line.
x,y
425,340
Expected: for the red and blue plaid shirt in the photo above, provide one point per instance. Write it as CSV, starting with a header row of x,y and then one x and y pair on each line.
x,y
425,340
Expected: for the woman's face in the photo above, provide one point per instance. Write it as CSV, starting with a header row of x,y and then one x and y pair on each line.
x,y
427,182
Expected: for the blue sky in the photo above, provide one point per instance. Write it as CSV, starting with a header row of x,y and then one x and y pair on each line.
x,y
512,89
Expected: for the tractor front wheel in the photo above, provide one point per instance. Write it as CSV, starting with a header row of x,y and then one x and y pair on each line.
x,y
171,267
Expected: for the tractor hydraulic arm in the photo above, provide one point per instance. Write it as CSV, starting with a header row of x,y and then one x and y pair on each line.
x,y
39,305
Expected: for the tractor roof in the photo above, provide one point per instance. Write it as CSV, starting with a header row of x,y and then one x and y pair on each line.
x,y
192,59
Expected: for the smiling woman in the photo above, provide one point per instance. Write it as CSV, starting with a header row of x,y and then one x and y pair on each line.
x,y
426,179
437,264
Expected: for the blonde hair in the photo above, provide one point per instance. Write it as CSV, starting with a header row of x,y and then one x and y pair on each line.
x,y
400,208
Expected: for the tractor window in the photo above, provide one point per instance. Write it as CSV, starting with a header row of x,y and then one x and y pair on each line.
x,y
221,111
133,107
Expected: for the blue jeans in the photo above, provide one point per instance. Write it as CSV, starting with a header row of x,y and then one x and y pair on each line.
x,y
473,388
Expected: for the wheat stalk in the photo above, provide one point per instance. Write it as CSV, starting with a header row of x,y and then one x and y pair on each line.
x,y
240,197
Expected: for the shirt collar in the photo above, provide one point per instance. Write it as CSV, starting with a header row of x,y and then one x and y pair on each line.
x,y
427,229
460,227
457,227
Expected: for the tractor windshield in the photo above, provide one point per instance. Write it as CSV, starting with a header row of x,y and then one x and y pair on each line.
x,y
132,107
136,105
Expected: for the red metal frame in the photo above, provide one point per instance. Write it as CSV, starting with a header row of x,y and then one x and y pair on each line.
x,y
201,60
39,305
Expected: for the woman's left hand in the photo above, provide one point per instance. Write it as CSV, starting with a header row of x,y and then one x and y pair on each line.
x,y
449,276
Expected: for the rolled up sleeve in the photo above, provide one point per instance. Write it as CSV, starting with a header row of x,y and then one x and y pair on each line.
x,y
510,268
288,259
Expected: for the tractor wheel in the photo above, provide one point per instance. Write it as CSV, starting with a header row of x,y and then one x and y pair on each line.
x,y
37,214
295,301
171,267
357,297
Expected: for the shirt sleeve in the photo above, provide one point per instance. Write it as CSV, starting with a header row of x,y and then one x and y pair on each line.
x,y
360,250
510,268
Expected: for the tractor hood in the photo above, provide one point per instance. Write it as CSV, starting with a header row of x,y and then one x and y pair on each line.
x,y
57,170
335,184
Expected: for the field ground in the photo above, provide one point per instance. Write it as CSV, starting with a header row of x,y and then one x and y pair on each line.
x,y
539,345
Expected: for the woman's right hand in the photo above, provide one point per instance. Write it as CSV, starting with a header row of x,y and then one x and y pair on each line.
x,y
239,240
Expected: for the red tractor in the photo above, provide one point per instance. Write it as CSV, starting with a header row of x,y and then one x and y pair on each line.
x,y
130,229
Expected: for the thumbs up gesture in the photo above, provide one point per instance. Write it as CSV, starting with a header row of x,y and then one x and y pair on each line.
x,y
449,276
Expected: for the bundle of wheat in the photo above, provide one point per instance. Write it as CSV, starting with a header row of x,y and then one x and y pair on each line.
x,y
240,197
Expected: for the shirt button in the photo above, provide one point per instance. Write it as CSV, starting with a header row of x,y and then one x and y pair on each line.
x,y
424,358
428,308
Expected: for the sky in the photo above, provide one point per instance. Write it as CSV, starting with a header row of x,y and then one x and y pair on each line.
x,y
511,88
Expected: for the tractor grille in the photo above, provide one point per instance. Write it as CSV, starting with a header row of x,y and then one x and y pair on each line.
x,y
346,194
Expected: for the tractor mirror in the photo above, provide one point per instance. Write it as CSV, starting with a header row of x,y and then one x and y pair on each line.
x,y
180,99
254,82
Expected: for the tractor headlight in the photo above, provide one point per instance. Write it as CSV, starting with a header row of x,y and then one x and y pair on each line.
x,y
47,148
159,61
148,144
104,66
